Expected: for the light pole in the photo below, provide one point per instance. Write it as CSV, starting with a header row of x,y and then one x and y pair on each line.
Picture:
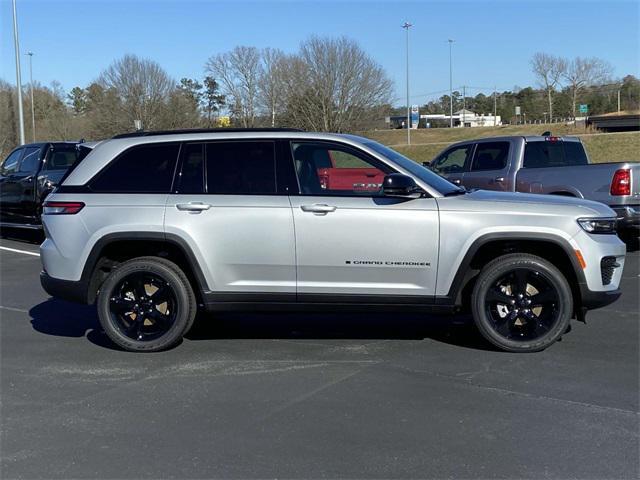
x,y
33,105
407,26
450,85
16,46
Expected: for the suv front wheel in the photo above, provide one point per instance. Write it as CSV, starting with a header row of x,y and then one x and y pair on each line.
x,y
146,304
521,303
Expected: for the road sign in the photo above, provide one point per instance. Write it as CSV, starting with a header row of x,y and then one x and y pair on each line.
x,y
517,110
415,116
584,108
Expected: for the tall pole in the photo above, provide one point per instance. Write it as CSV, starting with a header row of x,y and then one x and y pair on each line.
x,y
619,99
464,105
407,26
450,86
33,104
16,46
495,107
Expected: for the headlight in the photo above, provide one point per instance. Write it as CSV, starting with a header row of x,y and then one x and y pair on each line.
x,y
598,225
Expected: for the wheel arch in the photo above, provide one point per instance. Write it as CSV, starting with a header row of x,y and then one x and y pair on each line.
x,y
114,248
489,246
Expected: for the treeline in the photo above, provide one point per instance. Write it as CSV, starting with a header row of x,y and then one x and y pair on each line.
x,y
563,85
330,84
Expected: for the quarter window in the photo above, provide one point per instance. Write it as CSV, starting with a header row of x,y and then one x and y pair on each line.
x,y
327,169
490,156
141,169
234,168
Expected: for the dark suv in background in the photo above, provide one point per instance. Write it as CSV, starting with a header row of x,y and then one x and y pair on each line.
x,y
28,175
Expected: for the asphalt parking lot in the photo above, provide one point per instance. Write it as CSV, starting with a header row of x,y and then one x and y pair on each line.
x,y
311,395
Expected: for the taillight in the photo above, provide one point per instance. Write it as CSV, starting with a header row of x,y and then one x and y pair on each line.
x,y
621,183
62,208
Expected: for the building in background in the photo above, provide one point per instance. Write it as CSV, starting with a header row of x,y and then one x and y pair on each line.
x,y
461,118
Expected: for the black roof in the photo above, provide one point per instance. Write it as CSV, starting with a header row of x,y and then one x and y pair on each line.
x,y
203,130
56,142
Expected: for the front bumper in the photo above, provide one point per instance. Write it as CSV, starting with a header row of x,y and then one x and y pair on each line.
x,y
591,300
628,216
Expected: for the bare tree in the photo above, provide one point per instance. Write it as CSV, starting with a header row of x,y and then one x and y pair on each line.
x,y
239,72
548,69
332,85
142,87
271,82
584,72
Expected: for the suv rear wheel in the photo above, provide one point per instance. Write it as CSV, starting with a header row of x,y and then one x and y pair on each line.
x,y
521,303
146,304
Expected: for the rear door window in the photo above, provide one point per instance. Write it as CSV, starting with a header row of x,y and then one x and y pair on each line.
x,y
140,169
542,154
61,157
490,156
191,179
235,168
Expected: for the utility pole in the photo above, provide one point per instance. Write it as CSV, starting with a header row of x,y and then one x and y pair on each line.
x,y
495,107
33,104
619,88
407,26
16,46
464,105
450,85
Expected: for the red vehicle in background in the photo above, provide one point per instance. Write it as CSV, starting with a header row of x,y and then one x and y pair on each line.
x,y
340,171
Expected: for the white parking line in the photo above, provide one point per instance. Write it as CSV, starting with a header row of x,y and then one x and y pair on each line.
x,y
13,309
20,251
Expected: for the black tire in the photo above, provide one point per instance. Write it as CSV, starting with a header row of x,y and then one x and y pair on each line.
x,y
521,303
130,316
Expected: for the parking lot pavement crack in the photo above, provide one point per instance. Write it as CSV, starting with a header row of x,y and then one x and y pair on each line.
x,y
313,392
531,396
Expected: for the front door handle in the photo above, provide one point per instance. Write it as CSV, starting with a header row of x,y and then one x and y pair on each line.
x,y
456,181
499,179
195,207
319,208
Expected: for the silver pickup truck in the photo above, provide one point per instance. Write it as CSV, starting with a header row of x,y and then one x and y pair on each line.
x,y
544,164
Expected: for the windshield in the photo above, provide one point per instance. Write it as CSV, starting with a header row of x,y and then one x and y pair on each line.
x,y
445,187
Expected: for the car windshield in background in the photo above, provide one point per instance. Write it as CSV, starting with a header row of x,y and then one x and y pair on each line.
x,y
542,154
445,187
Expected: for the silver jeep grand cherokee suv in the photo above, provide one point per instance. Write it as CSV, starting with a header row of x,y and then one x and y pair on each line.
x,y
152,226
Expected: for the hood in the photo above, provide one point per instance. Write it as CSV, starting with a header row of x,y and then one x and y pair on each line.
x,y
529,202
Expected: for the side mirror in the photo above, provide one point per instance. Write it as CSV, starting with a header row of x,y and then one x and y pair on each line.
x,y
402,186
426,164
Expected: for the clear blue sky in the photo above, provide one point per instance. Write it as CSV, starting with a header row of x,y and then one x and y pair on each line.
x,y
74,40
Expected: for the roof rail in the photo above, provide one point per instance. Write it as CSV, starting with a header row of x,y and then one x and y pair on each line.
x,y
203,130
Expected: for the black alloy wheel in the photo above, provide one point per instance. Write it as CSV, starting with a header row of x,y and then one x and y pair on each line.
x,y
143,306
146,304
521,303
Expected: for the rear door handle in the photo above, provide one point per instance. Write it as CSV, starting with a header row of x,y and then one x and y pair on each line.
x,y
499,179
456,181
320,208
195,207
